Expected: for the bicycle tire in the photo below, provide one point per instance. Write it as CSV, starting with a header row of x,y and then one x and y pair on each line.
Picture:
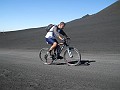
x,y
45,56
75,59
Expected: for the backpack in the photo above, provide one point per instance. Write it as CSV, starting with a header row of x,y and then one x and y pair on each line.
x,y
49,27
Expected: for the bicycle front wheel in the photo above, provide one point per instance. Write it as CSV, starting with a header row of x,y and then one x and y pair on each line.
x,y
72,56
45,56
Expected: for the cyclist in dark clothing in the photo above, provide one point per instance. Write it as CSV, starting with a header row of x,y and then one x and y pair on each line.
x,y
51,35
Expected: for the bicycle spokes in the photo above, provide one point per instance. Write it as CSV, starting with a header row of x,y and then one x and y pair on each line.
x,y
45,56
72,56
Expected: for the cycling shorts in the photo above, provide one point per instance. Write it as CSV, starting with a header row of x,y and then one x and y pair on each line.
x,y
51,41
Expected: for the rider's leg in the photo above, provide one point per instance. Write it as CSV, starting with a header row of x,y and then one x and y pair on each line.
x,y
58,52
54,45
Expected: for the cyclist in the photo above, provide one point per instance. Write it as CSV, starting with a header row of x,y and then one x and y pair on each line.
x,y
51,35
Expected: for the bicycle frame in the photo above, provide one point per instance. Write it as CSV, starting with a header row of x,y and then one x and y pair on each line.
x,y
64,44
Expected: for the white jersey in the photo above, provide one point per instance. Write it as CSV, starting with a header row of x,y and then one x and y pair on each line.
x,y
52,33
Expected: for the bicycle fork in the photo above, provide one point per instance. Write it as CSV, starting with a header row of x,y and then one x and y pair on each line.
x,y
69,51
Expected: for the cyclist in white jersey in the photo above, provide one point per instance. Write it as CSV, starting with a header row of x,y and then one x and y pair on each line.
x,y
51,35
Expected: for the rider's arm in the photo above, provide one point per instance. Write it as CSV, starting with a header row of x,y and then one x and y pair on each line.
x,y
60,37
57,33
63,33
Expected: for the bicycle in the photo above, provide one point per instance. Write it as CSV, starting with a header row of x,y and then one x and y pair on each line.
x,y
71,55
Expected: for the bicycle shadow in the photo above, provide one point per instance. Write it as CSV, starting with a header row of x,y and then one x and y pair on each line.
x,y
82,63
58,63
86,62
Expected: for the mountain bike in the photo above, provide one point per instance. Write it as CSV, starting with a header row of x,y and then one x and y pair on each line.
x,y
71,55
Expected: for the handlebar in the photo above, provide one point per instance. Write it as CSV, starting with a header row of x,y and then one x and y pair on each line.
x,y
66,41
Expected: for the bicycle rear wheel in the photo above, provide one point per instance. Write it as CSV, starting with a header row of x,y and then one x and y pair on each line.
x,y
72,56
45,56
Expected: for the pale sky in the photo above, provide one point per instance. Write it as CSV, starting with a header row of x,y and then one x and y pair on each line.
x,y
23,14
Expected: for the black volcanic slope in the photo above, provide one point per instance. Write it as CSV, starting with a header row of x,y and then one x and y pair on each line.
x,y
98,32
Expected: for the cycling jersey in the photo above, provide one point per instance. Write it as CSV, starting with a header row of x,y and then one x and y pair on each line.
x,y
52,33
